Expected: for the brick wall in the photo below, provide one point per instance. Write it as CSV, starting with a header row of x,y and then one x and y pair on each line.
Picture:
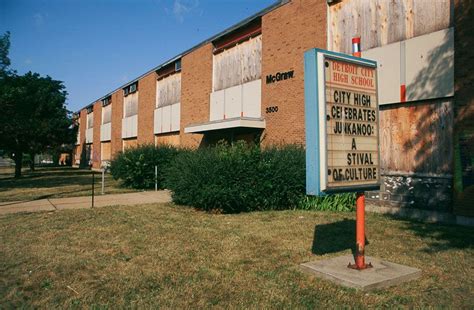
x,y
287,33
168,139
196,85
146,107
96,163
116,126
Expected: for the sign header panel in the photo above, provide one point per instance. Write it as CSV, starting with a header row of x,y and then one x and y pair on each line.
x,y
347,138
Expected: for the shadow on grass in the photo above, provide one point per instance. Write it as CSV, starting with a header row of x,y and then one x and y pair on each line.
x,y
42,172
45,183
48,178
440,237
335,237
53,195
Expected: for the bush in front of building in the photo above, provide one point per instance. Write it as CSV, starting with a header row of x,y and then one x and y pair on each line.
x,y
238,178
135,167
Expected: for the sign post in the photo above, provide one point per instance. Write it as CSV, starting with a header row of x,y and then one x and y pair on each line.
x,y
360,200
342,130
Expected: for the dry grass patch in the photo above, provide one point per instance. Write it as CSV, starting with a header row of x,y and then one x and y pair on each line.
x,y
53,183
175,257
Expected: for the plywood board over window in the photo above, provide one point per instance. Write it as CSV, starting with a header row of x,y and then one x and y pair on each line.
x,y
106,152
90,120
167,112
89,152
238,65
129,143
130,105
78,137
384,21
107,114
169,90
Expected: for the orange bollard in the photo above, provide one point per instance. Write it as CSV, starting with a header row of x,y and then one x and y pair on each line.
x,y
360,231
359,257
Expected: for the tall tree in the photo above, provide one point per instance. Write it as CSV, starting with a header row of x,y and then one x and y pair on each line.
x,y
34,117
4,49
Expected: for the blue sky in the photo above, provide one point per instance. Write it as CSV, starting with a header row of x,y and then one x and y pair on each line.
x,y
95,46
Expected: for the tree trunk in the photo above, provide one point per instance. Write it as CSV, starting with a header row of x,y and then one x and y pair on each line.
x,y
32,162
18,162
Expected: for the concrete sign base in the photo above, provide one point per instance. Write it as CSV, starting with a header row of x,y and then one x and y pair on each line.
x,y
383,274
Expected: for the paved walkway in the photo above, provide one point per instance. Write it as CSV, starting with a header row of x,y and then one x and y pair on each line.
x,y
84,202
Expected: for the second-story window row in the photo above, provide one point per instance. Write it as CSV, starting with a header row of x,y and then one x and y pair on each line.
x,y
130,89
238,65
106,101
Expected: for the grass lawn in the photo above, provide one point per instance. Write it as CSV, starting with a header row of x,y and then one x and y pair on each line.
x,y
168,256
52,183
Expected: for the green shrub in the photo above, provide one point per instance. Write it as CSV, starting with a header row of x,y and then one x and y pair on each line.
x,y
135,167
336,202
238,178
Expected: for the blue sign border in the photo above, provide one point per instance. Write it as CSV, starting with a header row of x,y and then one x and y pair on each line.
x,y
312,126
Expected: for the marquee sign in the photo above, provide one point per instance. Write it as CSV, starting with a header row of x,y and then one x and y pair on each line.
x,y
342,123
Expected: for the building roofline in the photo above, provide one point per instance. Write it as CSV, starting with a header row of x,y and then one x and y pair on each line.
x,y
219,35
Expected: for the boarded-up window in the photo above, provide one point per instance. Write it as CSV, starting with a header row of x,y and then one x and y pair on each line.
x,y
168,90
129,143
89,152
130,105
77,155
107,114
239,64
78,139
106,151
90,120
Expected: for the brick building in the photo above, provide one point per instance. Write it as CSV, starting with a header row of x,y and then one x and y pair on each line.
x,y
247,82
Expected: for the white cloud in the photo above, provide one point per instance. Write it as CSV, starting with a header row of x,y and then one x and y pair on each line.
x,y
28,61
181,8
38,19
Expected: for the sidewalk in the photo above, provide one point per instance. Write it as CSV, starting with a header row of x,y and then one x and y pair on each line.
x,y
84,202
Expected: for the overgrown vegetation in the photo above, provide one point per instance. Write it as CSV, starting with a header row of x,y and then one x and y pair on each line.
x,y
227,178
135,167
238,178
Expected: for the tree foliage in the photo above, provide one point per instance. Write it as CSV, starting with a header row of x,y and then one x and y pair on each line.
x,y
34,117
4,49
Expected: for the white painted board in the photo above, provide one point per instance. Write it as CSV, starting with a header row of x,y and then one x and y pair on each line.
x,y
233,101
175,116
217,106
252,99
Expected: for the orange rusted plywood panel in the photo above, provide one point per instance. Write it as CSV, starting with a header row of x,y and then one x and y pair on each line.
x,y
417,138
